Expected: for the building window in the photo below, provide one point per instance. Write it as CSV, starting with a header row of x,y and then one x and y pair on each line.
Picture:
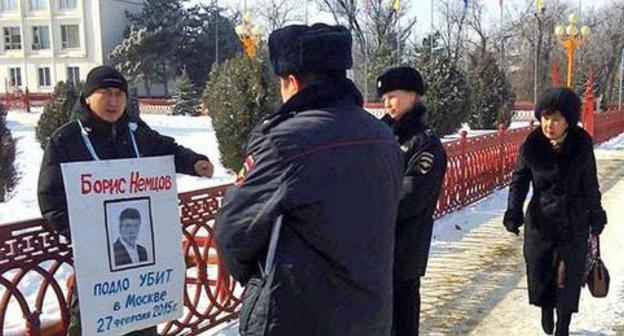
x,y
44,77
67,4
12,38
37,5
41,37
9,5
73,75
70,37
15,75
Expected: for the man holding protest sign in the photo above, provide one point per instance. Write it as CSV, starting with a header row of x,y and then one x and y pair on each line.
x,y
101,129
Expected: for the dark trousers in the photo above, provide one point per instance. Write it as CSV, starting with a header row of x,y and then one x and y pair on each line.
x,y
406,315
74,328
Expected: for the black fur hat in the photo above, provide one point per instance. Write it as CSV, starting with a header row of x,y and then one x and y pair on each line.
x,y
301,49
564,100
400,78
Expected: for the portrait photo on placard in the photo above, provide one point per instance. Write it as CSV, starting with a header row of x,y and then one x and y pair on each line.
x,y
130,234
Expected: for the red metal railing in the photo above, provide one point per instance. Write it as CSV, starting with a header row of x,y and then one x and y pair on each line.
x,y
608,124
29,251
477,166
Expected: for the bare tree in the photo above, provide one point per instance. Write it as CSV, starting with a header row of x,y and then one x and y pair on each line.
x,y
372,22
452,28
603,48
533,45
380,34
277,13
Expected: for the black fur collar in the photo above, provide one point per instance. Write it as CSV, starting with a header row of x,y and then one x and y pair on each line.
x,y
321,94
539,150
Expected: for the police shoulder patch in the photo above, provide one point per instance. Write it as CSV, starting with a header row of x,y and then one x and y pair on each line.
x,y
248,166
424,163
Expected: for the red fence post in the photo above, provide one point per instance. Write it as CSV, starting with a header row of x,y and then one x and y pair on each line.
x,y
26,100
33,325
500,176
463,163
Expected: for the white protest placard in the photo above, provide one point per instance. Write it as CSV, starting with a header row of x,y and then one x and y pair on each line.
x,y
126,237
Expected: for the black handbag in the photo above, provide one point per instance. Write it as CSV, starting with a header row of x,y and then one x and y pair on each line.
x,y
598,278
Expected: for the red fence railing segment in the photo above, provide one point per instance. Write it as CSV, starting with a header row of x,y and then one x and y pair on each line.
x,y
211,295
31,252
477,166
608,124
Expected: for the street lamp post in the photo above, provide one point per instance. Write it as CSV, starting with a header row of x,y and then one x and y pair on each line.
x,y
570,39
621,79
249,34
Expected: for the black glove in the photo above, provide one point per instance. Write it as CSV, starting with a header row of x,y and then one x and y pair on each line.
x,y
596,229
599,221
512,227
513,221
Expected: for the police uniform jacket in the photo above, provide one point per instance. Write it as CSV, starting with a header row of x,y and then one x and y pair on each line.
x,y
425,166
333,172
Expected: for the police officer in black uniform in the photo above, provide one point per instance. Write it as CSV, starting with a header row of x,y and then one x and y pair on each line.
x,y
331,174
401,89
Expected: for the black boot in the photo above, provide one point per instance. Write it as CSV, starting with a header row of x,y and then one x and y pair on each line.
x,y
563,323
548,320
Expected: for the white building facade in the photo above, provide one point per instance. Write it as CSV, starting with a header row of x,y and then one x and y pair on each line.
x,y
48,41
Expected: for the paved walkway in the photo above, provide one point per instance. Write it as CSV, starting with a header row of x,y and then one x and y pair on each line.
x,y
477,286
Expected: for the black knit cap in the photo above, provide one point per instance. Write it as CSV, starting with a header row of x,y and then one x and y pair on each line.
x,y
400,78
564,100
301,49
104,76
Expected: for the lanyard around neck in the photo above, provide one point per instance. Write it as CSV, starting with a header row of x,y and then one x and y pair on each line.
x,y
85,138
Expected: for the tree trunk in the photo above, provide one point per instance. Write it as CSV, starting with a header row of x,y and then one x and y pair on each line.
x,y
147,86
165,79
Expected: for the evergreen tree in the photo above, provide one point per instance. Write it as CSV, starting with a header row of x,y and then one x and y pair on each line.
x,y
187,100
207,29
448,91
134,58
8,172
166,37
57,111
164,22
238,95
492,95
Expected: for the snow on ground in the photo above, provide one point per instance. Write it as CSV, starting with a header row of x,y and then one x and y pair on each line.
x,y
475,133
612,149
197,133
193,132
595,319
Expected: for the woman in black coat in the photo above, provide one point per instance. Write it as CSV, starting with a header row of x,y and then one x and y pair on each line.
x,y
558,160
